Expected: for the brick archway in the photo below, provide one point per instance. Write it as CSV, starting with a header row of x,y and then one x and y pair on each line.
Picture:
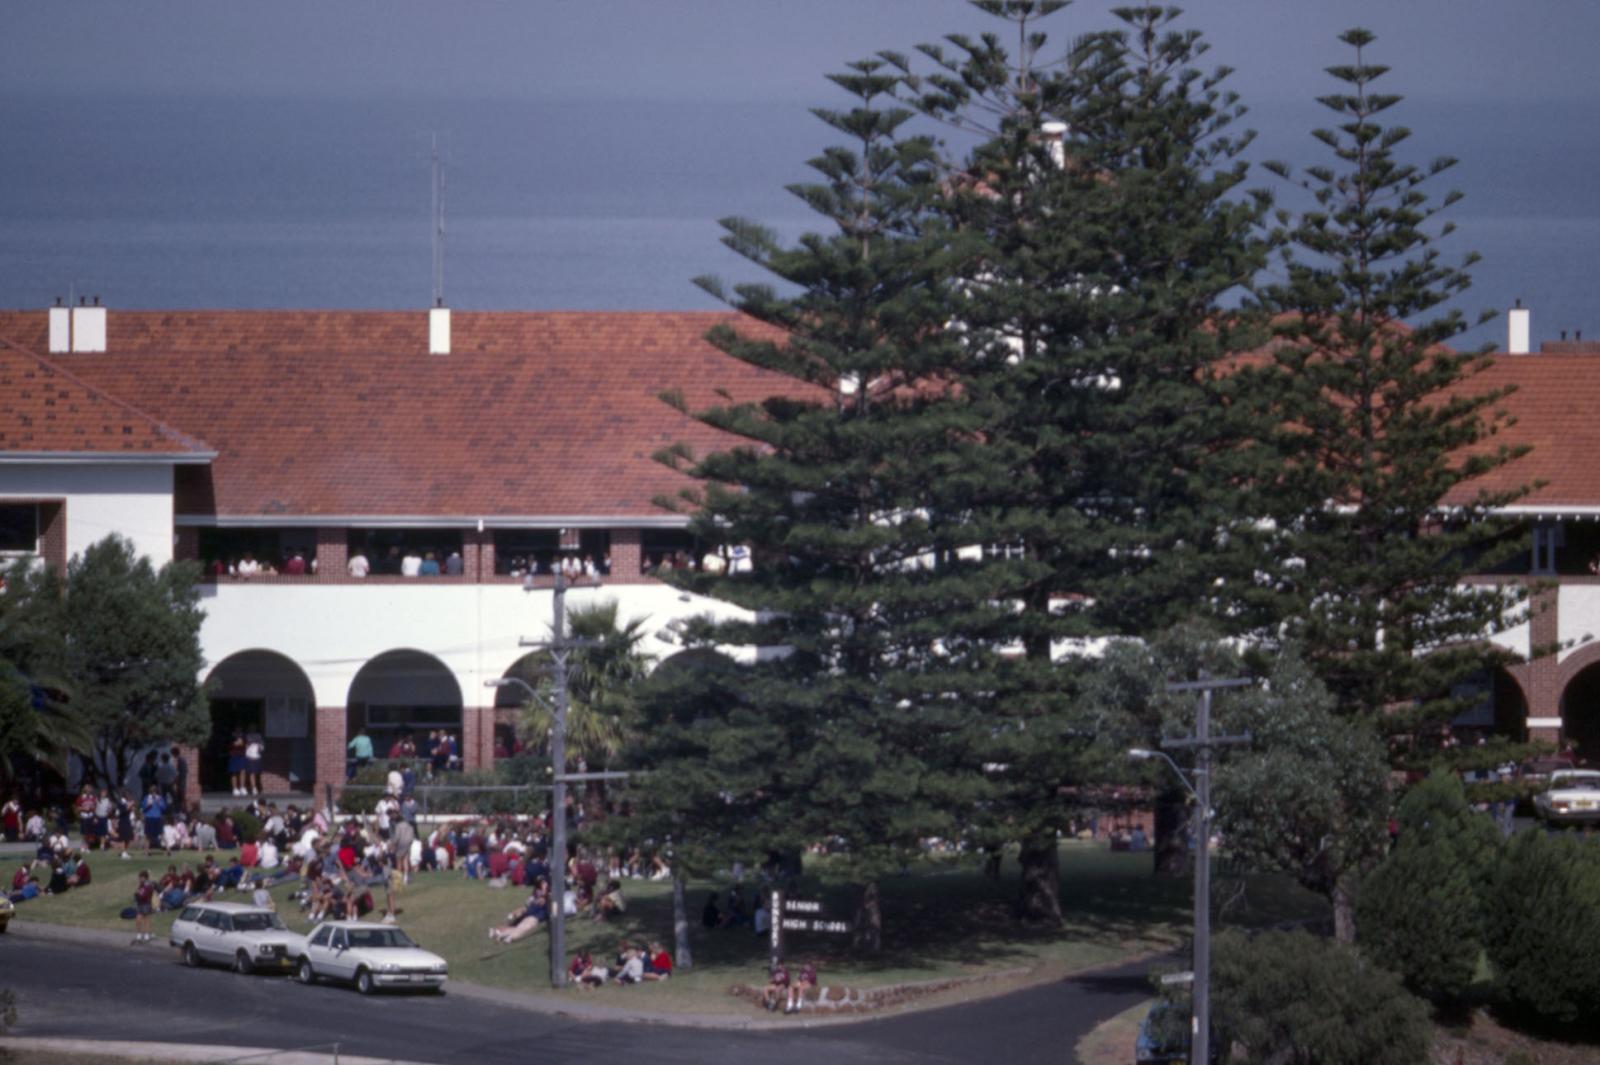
x,y
1580,701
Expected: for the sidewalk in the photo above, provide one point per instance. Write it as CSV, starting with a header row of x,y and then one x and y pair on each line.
x,y
192,1052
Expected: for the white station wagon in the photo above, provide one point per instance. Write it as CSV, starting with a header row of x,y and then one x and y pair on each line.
x,y
248,938
371,956
1573,797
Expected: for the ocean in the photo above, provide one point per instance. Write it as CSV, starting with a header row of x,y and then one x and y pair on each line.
x,y
259,203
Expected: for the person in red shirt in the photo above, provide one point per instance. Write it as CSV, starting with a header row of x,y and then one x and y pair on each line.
x,y
347,855
657,963
143,903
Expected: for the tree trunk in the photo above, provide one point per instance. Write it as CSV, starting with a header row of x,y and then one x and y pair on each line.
x,y
1344,909
869,920
680,923
1172,833
594,802
1039,898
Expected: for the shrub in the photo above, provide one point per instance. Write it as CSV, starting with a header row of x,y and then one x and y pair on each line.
x,y
1290,997
1543,927
246,825
1420,913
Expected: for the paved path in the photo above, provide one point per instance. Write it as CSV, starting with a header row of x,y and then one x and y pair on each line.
x,y
97,991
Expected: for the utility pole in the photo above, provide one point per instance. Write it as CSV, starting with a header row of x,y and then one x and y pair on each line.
x,y
1202,742
559,646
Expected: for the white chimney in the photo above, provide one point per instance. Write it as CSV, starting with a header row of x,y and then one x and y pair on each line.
x,y
89,328
1519,326
439,330
1055,135
60,329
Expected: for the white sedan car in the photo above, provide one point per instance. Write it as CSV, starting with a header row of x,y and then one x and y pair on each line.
x,y
1573,797
248,938
371,956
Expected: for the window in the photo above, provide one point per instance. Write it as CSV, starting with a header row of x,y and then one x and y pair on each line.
x,y
518,552
210,919
387,550
19,527
321,938
291,551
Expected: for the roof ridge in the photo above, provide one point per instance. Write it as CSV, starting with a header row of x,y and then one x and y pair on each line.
x,y
177,436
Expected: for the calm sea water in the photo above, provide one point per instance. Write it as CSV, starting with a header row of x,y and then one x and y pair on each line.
x,y
155,203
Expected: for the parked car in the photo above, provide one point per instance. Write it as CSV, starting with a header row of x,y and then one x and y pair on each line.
x,y
371,956
7,908
246,937
1572,798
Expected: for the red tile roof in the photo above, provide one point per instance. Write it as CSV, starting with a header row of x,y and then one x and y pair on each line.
x,y
324,413
46,408
1556,408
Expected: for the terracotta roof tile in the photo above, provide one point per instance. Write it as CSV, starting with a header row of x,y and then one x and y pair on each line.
x,y
346,413
45,407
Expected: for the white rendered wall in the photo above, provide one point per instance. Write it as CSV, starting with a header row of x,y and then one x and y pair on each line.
x,y
1579,621
331,631
134,499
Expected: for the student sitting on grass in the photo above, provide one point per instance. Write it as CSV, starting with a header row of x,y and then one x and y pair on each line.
x,y
657,962
805,981
777,988
522,923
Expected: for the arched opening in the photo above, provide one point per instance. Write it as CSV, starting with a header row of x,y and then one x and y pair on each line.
x,y
1580,713
509,700
265,693
405,693
1510,707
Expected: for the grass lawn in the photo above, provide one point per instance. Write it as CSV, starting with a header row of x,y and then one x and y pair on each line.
x,y
945,921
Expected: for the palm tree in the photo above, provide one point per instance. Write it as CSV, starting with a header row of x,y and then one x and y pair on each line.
x,y
600,686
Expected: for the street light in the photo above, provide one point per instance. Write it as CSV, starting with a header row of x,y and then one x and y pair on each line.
x,y
1200,789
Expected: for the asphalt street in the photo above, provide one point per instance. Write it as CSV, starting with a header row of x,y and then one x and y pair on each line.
x,y
67,990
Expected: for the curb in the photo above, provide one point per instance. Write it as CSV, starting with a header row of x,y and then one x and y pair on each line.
x,y
581,1010
192,1052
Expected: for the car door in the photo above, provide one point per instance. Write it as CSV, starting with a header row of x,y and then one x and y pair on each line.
x,y
208,940
341,963
317,949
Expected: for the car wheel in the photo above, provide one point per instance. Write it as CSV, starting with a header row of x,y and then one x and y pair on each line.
x,y
191,957
305,973
241,964
364,982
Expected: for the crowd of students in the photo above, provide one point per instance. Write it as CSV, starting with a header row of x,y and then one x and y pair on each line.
x,y
353,867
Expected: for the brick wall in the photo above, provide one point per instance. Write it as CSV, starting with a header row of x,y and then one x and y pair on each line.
x,y
331,749
333,553
186,544
624,553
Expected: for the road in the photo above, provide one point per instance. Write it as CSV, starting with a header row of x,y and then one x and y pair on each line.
x,y
69,990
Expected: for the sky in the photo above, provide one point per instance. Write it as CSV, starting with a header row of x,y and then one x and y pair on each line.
x,y
726,49
573,126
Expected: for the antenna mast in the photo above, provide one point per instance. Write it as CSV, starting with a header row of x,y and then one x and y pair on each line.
x,y
438,225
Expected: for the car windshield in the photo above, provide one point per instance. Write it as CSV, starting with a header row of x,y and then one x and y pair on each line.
x,y
1576,781
256,922
364,938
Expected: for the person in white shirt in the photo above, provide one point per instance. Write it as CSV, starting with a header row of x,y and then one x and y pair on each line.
x,y
267,854
358,565
394,783
248,566
411,564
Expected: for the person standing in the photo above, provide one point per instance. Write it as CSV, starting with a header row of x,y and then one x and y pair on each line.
x,y
181,787
144,895
255,748
154,809
236,748
360,753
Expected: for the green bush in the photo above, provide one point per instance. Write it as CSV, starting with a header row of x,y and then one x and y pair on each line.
x,y
1543,927
246,825
1289,997
1420,913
